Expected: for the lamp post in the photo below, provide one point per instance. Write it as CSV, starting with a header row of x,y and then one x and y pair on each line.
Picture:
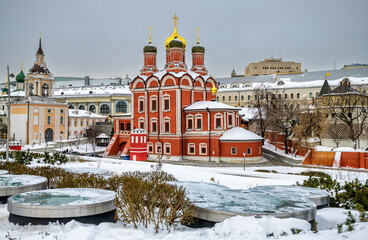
x,y
244,162
8,129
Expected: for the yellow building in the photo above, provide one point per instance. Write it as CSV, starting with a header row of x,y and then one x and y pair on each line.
x,y
272,66
38,117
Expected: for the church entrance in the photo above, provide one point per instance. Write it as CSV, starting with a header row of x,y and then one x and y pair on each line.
x,y
49,135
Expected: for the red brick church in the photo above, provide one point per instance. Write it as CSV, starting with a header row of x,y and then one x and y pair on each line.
x,y
178,110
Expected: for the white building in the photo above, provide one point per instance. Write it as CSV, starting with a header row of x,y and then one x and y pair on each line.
x,y
80,120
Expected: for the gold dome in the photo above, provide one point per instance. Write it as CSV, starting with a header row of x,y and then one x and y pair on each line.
x,y
175,34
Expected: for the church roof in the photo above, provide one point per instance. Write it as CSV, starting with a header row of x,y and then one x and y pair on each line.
x,y
239,134
326,89
211,105
161,74
39,69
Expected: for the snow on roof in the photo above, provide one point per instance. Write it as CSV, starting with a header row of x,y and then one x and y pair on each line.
x,y
162,73
102,135
77,113
248,113
203,105
284,83
16,93
239,134
93,90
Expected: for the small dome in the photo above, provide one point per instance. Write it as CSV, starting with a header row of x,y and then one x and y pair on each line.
x,y
39,69
198,48
176,43
20,77
149,49
4,90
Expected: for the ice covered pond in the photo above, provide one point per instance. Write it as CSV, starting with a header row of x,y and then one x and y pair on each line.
x,y
3,172
84,204
216,202
14,184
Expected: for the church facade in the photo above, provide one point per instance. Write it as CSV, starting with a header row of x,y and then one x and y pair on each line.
x,y
177,108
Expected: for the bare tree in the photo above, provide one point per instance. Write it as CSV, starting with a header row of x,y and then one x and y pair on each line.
x,y
92,134
337,132
263,102
283,117
349,109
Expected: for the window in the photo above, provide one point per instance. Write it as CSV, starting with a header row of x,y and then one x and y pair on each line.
x,y
128,126
310,95
49,110
61,111
229,98
153,105
48,120
61,120
233,151
81,107
121,107
121,126
154,125
141,104
166,102
202,149
75,123
31,89
223,98
167,127
255,97
317,94
285,95
158,147
150,147
218,123
218,98
248,97
45,90
236,98
242,97
230,120
141,123
198,122
105,109
291,95
191,148
279,95
298,95
190,123
167,148
92,108
249,151
87,122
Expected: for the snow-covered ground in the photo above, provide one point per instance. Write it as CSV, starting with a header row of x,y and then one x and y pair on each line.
x,y
233,228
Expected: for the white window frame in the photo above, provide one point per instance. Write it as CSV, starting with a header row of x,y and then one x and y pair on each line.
x,y
164,98
153,98
166,120
196,117
202,145
153,120
150,144
165,146
219,116
190,116
232,119
158,144
140,120
140,99
189,146
236,150
249,151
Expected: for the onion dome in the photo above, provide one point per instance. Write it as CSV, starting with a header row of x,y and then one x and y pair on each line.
x,y
198,49
149,49
4,90
20,77
176,43
39,69
175,35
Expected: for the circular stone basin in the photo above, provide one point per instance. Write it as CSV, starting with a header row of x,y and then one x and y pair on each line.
x,y
215,203
3,172
318,196
87,205
91,170
15,184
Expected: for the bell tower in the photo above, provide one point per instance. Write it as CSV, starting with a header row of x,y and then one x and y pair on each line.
x,y
150,52
198,58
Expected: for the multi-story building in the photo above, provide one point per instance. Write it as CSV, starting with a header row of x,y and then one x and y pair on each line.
x,y
80,120
272,66
178,110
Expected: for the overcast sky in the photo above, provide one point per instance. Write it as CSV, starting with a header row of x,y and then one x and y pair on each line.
x,y
105,38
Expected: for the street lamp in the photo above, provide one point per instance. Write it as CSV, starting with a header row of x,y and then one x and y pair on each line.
x,y
10,75
244,161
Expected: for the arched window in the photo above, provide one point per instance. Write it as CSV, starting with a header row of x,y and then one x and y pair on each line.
x,y
121,107
61,120
81,107
71,107
105,108
128,126
31,89
121,126
48,120
45,90
92,108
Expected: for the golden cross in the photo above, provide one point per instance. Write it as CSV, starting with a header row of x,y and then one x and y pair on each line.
x,y
175,19
40,35
197,34
21,65
150,29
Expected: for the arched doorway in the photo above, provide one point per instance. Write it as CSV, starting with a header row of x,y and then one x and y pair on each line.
x,y
49,135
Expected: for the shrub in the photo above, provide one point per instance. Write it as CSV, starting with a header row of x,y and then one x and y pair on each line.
x,y
265,171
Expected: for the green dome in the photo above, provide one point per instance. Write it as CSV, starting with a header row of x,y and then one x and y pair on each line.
x,y
4,90
20,77
198,48
149,49
176,43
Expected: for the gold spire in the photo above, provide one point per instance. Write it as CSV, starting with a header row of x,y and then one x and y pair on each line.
x,y
40,35
149,29
21,66
6,81
327,75
175,34
197,35
213,89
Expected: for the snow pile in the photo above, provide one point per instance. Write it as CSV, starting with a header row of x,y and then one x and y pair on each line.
x,y
346,149
203,105
323,149
337,159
